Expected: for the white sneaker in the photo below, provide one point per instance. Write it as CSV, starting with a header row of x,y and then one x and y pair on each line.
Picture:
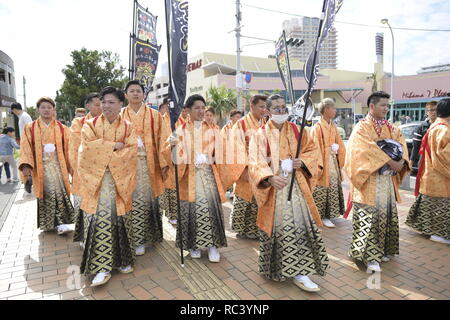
x,y
62,228
386,258
439,239
373,266
196,254
305,283
100,278
328,223
173,221
127,269
213,254
140,251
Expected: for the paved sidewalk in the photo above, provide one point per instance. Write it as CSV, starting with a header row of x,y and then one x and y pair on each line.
x,y
37,265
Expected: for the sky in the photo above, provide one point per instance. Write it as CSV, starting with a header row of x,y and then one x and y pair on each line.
x,y
39,35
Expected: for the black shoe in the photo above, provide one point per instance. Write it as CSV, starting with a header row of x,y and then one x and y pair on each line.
x,y
28,185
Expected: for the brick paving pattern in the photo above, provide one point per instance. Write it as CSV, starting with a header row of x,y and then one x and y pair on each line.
x,y
37,265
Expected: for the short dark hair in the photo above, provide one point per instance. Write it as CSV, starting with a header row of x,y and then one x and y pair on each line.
x,y
45,99
272,98
134,82
443,108
211,109
257,97
16,105
235,112
191,100
377,96
114,91
8,130
91,96
431,103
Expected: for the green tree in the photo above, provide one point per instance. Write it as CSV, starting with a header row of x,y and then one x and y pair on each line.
x,y
32,111
90,71
223,100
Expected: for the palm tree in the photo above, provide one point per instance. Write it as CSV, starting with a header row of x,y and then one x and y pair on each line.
x,y
223,100
373,77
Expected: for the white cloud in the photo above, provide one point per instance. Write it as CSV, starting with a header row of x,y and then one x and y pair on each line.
x,y
40,34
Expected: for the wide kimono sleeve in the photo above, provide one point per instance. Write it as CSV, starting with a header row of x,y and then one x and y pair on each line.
x,y
236,155
364,157
74,142
67,149
342,150
26,149
163,135
259,169
169,153
311,156
439,141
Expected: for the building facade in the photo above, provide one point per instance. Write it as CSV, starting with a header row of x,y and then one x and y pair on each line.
x,y
306,29
7,90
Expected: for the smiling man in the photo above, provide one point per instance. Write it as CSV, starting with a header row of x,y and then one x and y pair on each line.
x,y
151,134
107,168
375,219
45,156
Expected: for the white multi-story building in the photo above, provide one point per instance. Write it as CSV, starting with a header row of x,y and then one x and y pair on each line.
x,y
306,29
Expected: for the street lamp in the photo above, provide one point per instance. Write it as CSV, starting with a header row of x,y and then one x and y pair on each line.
x,y
385,21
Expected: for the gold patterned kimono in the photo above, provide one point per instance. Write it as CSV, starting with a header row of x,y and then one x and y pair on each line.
x,y
50,171
150,127
74,144
245,209
328,193
108,179
430,214
168,200
374,196
290,241
201,188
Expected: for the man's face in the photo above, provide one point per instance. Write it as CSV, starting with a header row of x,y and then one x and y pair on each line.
x,y
15,111
79,114
278,107
431,112
209,117
235,118
11,134
164,109
111,106
380,110
184,112
330,112
135,94
197,111
46,110
94,107
259,109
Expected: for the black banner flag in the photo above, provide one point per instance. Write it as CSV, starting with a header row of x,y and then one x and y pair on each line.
x,y
145,62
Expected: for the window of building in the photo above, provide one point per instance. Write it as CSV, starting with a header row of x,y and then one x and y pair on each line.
x,y
9,77
2,75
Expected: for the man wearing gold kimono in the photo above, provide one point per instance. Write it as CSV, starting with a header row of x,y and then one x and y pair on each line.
x,y
45,156
197,149
151,132
373,196
430,214
328,193
291,245
245,209
93,104
168,200
184,117
107,162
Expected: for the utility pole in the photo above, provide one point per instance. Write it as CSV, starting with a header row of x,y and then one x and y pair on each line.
x,y
238,55
24,95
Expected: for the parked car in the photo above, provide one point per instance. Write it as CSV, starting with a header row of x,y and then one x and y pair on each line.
x,y
408,130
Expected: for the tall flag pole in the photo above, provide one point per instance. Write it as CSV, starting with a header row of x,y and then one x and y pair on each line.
x,y
329,10
177,45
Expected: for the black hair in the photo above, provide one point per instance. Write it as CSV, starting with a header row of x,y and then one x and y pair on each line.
x,y
114,91
16,105
271,98
134,82
191,100
377,96
8,130
91,96
443,108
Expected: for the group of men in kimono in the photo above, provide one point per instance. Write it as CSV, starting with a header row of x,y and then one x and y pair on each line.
x,y
122,162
